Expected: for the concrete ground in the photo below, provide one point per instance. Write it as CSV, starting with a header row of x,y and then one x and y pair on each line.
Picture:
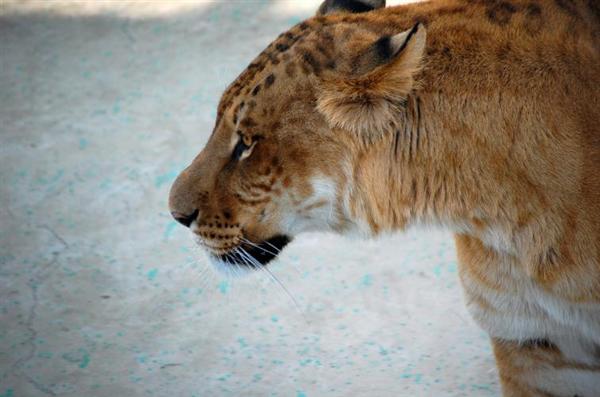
x,y
103,294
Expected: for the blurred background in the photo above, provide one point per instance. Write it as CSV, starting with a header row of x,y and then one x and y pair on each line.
x,y
102,104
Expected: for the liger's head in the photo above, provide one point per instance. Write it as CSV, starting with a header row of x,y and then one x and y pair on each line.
x,y
289,129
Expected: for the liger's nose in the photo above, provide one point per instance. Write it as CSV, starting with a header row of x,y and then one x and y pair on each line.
x,y
185,220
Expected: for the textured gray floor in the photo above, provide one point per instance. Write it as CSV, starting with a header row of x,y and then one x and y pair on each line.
x,y
102,294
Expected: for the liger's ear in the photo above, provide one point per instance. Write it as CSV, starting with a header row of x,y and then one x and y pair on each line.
x,y
353,6
367,102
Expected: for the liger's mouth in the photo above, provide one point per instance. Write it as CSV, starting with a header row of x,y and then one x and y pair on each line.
x,y
253,255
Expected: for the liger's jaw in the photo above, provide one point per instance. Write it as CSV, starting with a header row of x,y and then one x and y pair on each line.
x,y
247,255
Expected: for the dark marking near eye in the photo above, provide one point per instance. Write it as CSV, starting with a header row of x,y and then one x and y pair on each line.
x,y
248,122
227,214
269,80
239,149
282,47
501,13
262,186
253,202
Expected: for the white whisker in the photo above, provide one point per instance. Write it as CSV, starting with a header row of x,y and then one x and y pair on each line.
x,y
287,292
272,246
270,274
245,240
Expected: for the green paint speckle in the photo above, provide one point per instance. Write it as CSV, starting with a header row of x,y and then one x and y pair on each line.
x,y
366,280
169,229
224,286
152,274
300,394
81,357
45,354
8,393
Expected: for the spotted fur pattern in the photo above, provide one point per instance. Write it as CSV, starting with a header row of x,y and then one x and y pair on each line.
x,y
480,116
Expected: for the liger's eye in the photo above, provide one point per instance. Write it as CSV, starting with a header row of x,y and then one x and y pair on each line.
x,y
242,148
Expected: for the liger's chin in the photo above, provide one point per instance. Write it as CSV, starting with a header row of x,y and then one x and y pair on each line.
x,y
250,256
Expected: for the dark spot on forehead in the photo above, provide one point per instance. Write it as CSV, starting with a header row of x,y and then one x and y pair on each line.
x,y
272,55
273,58
310,59
269,80
282,47
256,90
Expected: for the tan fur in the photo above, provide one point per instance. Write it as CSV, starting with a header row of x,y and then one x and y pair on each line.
x,y
492,129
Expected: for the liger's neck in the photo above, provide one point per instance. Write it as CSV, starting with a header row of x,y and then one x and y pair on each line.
x,y
441,167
